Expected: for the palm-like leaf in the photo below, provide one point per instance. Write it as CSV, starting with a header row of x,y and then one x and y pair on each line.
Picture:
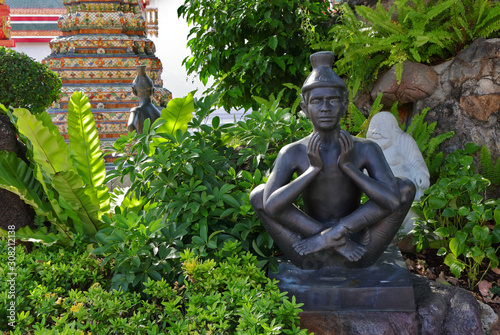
x,y
84,143
50,151
84,201
17,177
85,147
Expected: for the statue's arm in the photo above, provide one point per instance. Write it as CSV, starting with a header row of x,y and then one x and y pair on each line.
x,y
379,185
279,192
132,121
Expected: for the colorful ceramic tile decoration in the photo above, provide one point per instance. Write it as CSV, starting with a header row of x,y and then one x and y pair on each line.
x,y
100,47
5,40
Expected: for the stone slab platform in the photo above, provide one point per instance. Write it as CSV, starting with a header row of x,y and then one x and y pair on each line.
x,y
384,286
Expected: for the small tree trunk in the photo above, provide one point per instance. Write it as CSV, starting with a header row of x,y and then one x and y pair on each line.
x,y
14,211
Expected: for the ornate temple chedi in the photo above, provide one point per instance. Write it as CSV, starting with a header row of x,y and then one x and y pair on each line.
x,y
101,45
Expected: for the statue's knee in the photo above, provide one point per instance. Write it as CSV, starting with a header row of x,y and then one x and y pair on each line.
x,y
257,197
407,190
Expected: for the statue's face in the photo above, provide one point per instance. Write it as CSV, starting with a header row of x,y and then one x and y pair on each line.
x,y
380,132
325,107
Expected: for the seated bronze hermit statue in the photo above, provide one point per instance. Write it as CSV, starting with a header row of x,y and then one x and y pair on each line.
x,y
143,88
334,228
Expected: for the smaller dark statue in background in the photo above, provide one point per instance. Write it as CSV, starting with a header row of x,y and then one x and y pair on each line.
x,y
143,88
334,228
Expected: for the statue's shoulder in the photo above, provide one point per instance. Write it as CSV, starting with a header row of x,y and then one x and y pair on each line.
x,y
295,149
364,145
297,146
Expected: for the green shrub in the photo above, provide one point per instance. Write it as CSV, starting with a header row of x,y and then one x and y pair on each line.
x,y
60,291
25,83
196,186
458,219
252,47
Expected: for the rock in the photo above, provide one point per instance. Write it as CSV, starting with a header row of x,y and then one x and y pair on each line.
x,y
418,81
480,107
488,318
467,97
445,310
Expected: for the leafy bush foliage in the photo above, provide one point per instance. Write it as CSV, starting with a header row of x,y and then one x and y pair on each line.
x,y
25,83
419,31
194,188
458,219
61,291
252,47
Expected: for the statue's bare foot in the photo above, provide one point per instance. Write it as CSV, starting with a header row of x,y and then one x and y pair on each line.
x,y
351,250
316,243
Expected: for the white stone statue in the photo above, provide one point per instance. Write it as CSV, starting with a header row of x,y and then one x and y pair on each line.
x,y
402,153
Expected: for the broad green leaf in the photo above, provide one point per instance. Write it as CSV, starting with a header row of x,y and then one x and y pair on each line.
x,y
273,42
437,202
49,150
84,143
480,233
442,232
40,236
178,113
456,247
17,177
69,185
456,267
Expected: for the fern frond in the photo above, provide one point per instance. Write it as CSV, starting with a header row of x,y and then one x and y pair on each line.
x,y
438,9
380,19
496,173
486,163
436,141
417,121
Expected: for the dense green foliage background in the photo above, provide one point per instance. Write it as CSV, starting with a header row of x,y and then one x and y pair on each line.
x,y
252,47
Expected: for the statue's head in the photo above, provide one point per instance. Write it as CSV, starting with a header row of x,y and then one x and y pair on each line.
x,y
142,86
383,129
322,75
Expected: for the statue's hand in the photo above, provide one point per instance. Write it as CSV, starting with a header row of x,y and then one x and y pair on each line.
x,y
313,155
422,181
346,149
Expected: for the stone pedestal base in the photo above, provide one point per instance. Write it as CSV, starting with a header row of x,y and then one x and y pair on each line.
x,y
340,300
359,323
384,286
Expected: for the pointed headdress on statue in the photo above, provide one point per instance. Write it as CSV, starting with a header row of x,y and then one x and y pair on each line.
x,y
322,74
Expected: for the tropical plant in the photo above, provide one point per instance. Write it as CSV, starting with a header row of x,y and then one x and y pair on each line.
x,y
420,31
252,47
64,185
457,219
25,83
